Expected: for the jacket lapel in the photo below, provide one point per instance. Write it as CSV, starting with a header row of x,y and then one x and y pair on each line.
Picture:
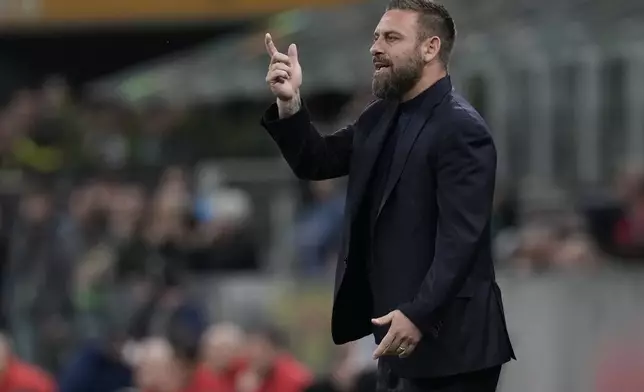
x,y
367,157
433,97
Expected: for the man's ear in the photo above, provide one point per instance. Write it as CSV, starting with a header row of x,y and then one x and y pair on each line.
x,y
431,48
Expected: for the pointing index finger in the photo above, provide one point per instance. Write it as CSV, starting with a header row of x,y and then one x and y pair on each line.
x,y
270,46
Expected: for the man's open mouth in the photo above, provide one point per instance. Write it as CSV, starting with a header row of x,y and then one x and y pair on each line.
x,y
380,66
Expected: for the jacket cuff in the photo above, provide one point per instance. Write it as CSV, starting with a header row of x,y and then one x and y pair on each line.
x,y
275,125
415,313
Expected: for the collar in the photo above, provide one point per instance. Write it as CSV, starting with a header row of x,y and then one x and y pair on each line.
x,y
429,98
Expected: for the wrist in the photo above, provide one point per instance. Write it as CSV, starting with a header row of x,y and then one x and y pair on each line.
x,y
289,107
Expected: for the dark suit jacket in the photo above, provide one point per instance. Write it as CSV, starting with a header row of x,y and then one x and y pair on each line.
x,y
431,239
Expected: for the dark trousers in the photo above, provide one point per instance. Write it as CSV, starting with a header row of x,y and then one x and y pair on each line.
x,y
480,381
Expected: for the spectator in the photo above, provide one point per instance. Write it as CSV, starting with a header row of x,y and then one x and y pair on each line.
x,y
621,366
168,309
222,348
172,366
269,367
16,375
628,232
100,365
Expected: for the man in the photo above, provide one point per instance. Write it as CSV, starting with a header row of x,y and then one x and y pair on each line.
x,y
171,365
99,365
222,354
17,376
269,367
416,267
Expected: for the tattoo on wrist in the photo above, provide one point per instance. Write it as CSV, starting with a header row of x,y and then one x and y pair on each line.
x,y
290,107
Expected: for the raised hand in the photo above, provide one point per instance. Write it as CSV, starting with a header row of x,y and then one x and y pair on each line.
x,y
284,75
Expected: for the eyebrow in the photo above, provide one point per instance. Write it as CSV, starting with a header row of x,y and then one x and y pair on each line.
x,y
388,32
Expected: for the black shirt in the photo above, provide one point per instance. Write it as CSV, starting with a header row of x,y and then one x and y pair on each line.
x,y
376,186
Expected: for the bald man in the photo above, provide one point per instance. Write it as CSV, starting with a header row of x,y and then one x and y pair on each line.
x,y
222,349
222,346
169,367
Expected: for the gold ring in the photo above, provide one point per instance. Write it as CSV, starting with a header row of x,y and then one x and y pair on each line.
x,y
401,350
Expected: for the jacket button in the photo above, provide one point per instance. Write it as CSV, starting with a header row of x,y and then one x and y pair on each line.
x,y
346,260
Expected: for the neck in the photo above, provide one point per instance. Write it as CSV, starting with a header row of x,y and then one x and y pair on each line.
x,y
426,81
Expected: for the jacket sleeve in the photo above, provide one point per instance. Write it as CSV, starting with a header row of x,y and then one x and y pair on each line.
x,y
310,155
466,168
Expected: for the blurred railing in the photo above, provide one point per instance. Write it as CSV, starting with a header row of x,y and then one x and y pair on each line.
x,y
562,325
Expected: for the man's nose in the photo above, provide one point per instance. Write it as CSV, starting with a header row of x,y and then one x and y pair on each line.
x,y
375,49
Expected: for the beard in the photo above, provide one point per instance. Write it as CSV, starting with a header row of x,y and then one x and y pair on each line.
x,y
396,80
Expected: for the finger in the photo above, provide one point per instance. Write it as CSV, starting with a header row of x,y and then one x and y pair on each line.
x,y
280,58
409,349
270,46
277,76
292,53
384,320
395,346
402,345
384,345
282,67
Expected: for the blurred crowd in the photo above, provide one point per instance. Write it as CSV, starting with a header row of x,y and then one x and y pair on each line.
x,y
103,222
223,358
96,196
573,231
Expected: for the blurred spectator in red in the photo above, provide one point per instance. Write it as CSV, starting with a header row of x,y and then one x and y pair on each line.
x,y
172,366
628,233
621,367
222,350
617,224
18,376
154,367
269,367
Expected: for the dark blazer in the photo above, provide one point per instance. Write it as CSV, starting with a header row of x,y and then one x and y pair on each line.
x,y
431,238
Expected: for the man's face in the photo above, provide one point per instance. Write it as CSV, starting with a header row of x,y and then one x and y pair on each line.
x,y
260,351
222,346
396,53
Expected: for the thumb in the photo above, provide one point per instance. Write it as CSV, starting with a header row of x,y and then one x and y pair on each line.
x,y
384,320
292,53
